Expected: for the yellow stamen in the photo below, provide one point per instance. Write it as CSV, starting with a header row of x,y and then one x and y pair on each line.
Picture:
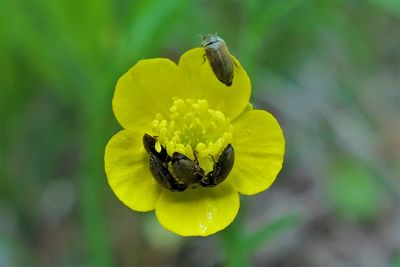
x,y
192,127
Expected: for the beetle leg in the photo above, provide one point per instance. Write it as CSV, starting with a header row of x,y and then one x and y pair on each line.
x,y
204,59
195,156
234,63
212,158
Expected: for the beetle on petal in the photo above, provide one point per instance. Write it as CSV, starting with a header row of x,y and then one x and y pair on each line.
x,y
219,57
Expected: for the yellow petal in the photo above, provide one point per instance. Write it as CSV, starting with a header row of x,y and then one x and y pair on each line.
x,y
259,148
198,212
202,83
126,165
146,89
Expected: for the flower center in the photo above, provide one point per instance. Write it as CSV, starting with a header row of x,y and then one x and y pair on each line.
x,y
192,127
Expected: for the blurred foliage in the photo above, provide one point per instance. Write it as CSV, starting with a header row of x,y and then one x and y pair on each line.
x,y
354,192
239,243
329,70
396,262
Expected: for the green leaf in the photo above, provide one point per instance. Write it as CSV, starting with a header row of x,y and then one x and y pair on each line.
x,y
239,245
391,6
269,231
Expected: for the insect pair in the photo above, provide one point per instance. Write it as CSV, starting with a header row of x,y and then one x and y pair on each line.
x,y
185,171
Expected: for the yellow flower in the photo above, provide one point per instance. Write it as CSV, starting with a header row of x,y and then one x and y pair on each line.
x,y
188,110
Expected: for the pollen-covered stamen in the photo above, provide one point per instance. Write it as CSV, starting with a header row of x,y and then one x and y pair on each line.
x,y
192,127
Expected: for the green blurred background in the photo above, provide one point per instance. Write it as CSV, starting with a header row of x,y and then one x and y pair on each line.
x,y
328,70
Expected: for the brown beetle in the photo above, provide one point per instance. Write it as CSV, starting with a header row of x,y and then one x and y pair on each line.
x,y
185,169
220,59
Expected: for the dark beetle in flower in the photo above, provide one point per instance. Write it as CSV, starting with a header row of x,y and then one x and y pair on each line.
x,y
158,164
221,168
185,171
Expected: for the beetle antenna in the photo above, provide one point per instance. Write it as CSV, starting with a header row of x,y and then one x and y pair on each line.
x,y
195,156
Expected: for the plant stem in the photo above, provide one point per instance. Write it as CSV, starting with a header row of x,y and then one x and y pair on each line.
x,y
93,184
